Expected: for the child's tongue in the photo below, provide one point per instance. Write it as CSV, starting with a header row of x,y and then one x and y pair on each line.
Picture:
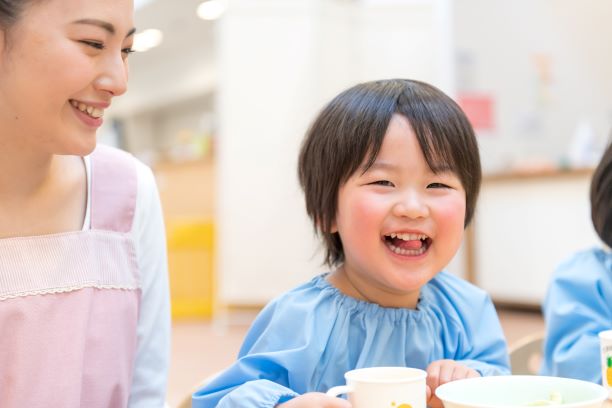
x,y
413,244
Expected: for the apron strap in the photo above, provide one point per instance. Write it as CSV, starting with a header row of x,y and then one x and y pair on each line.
x,y
113,189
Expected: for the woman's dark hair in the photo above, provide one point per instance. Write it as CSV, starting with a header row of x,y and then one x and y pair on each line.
x,y
351,129
10,10
601,197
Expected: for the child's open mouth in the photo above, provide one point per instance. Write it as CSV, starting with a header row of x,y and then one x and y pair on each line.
x,y
407,244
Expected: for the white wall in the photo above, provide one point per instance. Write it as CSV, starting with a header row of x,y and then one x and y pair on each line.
x,y
181,68
547,64
524,228
280,61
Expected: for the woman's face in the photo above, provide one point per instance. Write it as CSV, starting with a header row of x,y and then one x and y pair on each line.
x,y
61,64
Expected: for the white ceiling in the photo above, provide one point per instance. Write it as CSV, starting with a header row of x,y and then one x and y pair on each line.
x,y
181,68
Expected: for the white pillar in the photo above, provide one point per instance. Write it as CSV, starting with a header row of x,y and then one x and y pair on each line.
x,y
280,61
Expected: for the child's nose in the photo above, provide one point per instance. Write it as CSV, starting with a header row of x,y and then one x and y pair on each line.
x,y
411,205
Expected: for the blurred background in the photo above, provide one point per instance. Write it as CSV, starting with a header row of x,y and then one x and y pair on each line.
x,y
221,93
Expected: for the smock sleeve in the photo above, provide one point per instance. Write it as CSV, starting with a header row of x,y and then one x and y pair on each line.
x,y
278,353
472,335
576,308
488,352
153,352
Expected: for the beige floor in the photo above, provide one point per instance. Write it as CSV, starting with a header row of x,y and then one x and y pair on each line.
x,y
200,349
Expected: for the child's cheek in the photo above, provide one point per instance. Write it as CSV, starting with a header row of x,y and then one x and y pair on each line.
x,y
450,215
367,213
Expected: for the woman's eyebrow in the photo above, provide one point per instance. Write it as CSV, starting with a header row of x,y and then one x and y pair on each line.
x,y
102,24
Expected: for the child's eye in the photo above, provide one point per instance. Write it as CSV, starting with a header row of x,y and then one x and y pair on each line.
x,y
385,183
437,185
127,51
94,44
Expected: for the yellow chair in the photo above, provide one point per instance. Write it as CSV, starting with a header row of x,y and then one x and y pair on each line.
x,y
526,354
191,267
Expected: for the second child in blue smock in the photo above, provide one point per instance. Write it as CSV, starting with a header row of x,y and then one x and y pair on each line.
x,y
578,304
391,172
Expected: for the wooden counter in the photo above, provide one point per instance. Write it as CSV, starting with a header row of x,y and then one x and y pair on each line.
x,y
187,189
534,174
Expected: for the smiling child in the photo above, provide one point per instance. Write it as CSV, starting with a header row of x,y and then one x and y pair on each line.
x,y
390,171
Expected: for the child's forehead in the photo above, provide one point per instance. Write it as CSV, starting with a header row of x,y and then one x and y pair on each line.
x,y
436,163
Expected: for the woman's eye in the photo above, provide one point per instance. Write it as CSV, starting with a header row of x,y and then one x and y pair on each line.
x,y
385,183
127,51
437,185
94,44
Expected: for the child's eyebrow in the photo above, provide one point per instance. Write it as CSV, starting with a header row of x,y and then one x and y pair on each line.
x,y
442,168
379,165
436,168
102,24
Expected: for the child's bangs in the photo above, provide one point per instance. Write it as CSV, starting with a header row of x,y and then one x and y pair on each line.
x,y
438,150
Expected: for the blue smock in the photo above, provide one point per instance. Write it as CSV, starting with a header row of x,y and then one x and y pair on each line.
x,y
306,339
578,305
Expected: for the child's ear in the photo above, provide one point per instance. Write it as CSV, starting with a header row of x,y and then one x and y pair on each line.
x,y
332,228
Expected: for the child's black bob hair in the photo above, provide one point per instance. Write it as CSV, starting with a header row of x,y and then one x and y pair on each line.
x,y
349,132
601,197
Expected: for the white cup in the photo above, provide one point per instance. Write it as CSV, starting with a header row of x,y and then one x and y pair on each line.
x,y
384,387
605,340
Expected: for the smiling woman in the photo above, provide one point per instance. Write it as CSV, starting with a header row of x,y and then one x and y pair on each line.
x,y
83,275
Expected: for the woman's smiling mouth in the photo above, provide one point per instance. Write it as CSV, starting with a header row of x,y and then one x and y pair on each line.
x,y
92,111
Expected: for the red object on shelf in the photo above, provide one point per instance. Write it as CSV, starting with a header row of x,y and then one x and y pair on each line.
x,y
479,110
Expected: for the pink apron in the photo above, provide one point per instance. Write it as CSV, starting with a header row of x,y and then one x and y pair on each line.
x,y
69,303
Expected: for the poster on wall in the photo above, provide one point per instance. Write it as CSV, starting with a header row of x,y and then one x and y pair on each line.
x,y
479,108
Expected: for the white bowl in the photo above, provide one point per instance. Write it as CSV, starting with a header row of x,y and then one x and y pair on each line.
x,y
521,391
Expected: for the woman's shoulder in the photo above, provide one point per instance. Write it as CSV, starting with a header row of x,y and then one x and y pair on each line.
x,y
122,206
120,162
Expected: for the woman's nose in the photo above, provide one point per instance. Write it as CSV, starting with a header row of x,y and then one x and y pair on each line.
x,y
113,77
411,205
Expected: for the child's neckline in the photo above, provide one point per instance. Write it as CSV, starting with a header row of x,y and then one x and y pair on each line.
x,y
324,283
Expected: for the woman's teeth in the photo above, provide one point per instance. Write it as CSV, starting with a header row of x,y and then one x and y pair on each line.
x,y
90,110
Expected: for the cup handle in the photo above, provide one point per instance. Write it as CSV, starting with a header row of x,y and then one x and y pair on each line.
x,y
338,390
